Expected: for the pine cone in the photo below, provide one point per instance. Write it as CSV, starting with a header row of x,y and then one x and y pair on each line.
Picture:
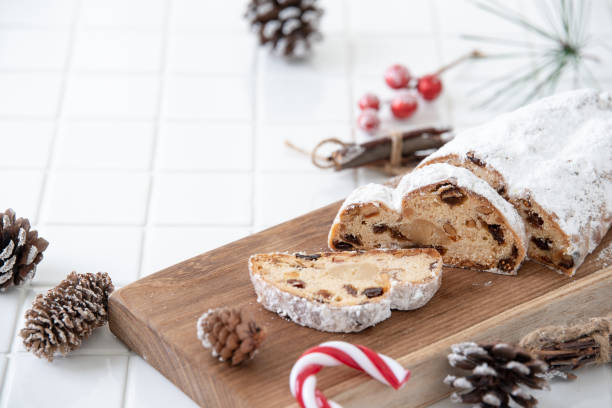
x,y
231,334
60,320
497,373
20,250
288,26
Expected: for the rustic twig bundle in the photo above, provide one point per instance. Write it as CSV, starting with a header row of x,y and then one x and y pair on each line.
x,y
390,152
566,348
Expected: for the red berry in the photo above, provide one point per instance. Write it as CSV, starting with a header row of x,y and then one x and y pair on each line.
x,y
397,76
369,101
368,120
403,105
429,87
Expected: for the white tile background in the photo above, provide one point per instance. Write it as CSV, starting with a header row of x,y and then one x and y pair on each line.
x,y
138,133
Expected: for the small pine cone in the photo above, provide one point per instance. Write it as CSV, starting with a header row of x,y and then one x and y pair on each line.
x,y
232,334
20,250
67,314
288,26
498,373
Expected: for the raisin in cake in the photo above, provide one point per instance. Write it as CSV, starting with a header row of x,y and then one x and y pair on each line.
x,y
553,161
440,206
345,291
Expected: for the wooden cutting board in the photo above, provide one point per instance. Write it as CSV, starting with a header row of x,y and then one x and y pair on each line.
x,y
156,317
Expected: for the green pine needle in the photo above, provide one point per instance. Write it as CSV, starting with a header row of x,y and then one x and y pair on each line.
x,y
563,49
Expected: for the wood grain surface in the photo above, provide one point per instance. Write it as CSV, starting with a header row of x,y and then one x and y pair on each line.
x,y
156,317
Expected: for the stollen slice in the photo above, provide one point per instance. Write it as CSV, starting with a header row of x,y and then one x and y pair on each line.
x,y
440,206
345,291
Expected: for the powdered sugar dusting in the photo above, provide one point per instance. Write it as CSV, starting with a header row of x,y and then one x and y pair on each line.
x,y
558,151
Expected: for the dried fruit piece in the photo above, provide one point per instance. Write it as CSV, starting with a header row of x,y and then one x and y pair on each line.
x,y
496,232
325,294
312,257
297,283
350,289
474,159
484,209
534,219
451,195
542,243
373,292
396,234
342,245
379,228
470,223
352,239
567,262
449,229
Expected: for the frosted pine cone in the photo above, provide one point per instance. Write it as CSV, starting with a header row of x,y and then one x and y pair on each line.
x,y
288,26
498,374
67,314
20,250
231,334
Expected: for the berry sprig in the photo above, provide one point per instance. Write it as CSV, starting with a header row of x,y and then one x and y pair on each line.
x,y
405,101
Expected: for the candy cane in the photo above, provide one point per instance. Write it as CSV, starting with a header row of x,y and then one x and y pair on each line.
x,y
303,382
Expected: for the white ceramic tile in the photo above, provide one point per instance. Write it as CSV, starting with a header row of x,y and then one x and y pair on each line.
x,y
21,191
206,15
30,139
330,57
274,154
307,100
283,196
29,95
10,302
142,378
465,98
189,97
372,55
464,17
211,198
101,341
117,145
204,53
124,96
334,16
33,49
410,16
203,146
122,13
91,381
42,13
117,50
167,246
115,250
96,197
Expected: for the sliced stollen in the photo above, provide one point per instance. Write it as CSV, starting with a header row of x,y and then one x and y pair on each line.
x,y
440,206
553,161
345,291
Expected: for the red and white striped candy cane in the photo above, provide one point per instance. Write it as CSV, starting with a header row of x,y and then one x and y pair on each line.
x,y
303,382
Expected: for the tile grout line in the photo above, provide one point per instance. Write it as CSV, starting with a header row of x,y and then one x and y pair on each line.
x,y
350,77
59,115
45,181
152,165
